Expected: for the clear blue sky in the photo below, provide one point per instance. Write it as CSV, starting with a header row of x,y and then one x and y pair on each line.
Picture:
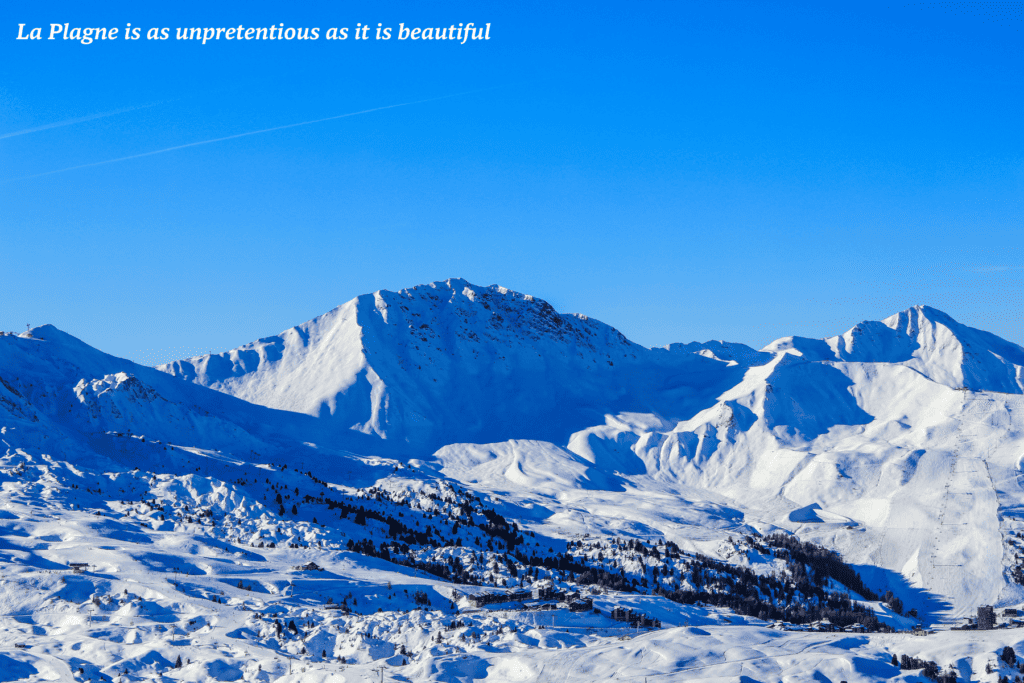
x,y
682,171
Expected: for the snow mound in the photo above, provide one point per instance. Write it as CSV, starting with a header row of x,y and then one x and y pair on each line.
x,y
521,465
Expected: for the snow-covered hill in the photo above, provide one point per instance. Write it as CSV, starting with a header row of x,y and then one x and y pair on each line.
x,y
426,446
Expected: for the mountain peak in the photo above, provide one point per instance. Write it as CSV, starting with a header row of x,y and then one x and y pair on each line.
x,y
918,315
936,345
418,365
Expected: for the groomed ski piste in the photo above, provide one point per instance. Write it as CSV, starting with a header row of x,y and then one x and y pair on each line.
x,y
458,483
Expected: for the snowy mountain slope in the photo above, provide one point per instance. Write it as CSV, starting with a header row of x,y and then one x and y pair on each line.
x,y
723,350
928,341
880,475
55,379
177,566
198,566
901,480
453,362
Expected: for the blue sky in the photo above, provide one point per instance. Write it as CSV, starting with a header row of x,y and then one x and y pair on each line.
x,y
682,171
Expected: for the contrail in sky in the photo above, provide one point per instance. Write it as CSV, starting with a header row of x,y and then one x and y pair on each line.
x,y
242,135
70,122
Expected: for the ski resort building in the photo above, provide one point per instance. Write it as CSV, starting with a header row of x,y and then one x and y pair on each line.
x,y
986,618
543,593
635,618
495,598
581,604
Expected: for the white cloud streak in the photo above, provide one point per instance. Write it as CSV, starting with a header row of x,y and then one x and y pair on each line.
x,y
71,122
237,135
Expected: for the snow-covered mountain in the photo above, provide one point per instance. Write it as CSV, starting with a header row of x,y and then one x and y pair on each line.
x,y
58,381
451,362
426,445
928,341
568,403
801,422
